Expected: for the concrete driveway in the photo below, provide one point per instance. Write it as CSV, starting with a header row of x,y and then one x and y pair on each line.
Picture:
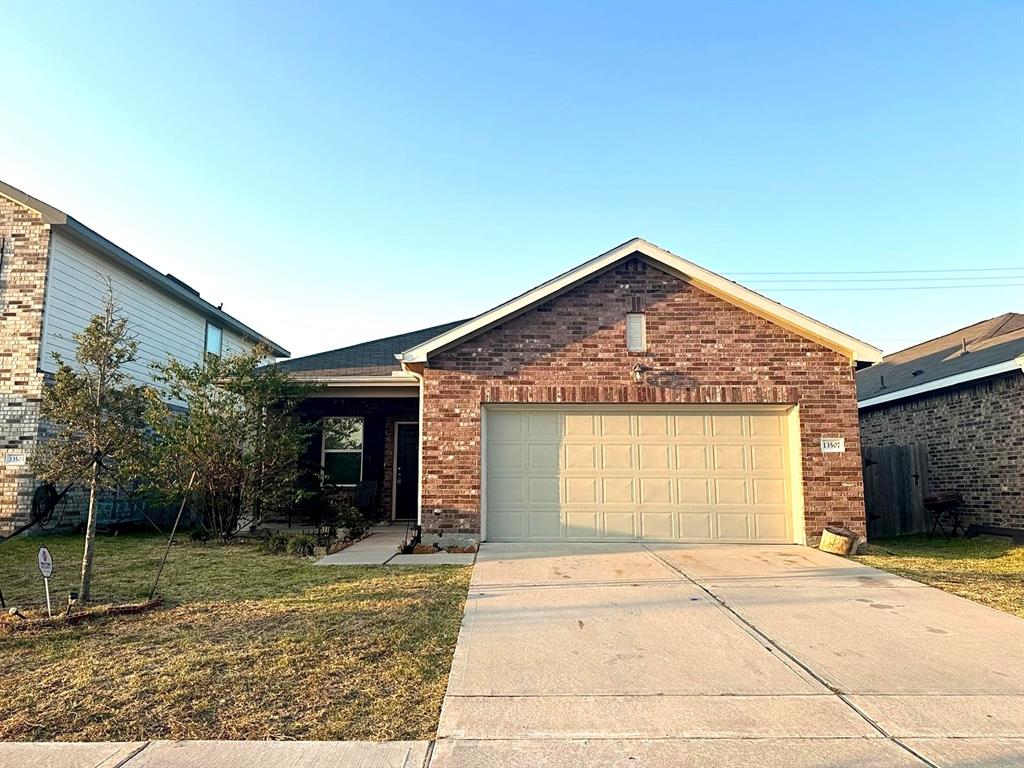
x,y
665,655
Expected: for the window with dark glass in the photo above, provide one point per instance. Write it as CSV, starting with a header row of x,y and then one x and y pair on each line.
x,y
343,450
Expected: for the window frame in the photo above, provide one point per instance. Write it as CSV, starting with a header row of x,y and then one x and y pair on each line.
x,y
206,340
324,450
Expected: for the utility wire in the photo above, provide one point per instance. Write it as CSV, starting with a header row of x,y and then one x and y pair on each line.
x,y
902,288
758,281
884,271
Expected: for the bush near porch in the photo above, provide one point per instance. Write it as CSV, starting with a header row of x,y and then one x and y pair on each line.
x,y
988,570
248,645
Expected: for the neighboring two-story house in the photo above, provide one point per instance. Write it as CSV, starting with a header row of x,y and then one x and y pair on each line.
x,y
54,273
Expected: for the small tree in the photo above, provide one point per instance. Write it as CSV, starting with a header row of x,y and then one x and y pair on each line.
x,y
97,414
236,428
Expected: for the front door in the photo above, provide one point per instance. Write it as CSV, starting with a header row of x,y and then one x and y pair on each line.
x,y
407,470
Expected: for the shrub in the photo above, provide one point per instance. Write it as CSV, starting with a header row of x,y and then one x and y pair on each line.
x,y
276,544
354,521
301,545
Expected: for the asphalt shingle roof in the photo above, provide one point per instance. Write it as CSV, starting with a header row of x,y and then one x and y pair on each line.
x,y
371,358
996,340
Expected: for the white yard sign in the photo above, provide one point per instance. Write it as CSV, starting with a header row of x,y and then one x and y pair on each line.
x,y
46,568
833,445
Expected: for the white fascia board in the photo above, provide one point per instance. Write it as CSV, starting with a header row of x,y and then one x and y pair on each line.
x,y
702,278
359,381
949,381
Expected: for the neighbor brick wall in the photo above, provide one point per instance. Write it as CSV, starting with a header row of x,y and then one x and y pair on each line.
x,y
702,349
22,291
974,436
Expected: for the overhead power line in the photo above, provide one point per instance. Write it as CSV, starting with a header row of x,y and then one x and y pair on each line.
x,y
902,288
882,271
758,281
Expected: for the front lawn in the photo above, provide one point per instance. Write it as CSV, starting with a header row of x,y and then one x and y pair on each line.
x,y
246,646
988,570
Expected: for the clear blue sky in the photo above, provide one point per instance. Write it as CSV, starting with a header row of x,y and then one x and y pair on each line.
x,y
338,172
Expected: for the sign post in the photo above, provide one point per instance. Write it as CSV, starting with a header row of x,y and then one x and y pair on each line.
x,y
46,568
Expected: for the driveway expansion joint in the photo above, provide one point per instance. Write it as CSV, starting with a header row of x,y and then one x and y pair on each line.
x,y
790,655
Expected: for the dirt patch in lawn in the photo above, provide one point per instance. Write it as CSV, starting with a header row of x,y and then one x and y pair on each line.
x,y
248,646
988,570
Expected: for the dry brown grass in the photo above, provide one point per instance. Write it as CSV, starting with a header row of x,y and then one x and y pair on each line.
x,y
249,646
988,570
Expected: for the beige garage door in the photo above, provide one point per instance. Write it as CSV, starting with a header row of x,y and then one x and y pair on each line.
x,y
680,474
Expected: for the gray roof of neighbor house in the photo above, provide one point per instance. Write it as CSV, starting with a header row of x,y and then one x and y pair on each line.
x,y
371,358
60,221
990,342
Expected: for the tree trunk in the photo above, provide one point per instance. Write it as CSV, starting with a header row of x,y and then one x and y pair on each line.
x,y
90,534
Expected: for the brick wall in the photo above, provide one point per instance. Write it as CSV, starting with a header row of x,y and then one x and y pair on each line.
x,y
975,440
22,287
701,349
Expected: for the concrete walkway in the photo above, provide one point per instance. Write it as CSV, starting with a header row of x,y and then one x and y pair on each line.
x,y
632,655
381,548
222,754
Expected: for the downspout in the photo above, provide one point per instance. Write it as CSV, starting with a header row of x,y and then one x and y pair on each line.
x,y
419,464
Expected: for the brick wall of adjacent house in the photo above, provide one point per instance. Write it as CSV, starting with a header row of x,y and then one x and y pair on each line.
x,y
974,436
22,291
701,349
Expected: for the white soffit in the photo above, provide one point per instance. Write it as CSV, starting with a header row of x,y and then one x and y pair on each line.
x,y
949,381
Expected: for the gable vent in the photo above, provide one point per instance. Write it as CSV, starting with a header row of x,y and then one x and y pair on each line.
x,y
636,332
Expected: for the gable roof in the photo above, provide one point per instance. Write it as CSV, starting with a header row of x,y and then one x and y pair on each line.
x,y
61,222
988,348
371,358
702,278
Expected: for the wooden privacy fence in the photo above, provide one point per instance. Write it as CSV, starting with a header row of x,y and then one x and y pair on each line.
x,y
895,482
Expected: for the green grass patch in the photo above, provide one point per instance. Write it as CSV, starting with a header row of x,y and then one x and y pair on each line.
x,y
247,646
988,570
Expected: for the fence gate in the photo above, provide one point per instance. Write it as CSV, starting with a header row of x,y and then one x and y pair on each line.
x,y
895,482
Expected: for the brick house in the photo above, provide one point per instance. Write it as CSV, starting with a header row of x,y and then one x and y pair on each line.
x,y
637,396
53,277
961,396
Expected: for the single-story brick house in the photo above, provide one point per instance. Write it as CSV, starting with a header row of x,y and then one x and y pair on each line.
x,y
961,396
636,397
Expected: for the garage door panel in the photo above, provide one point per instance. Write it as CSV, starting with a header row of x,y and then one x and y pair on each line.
x,y
694,491
616,424
767,457
581,525
617,490
721,474
581,490
727,425
653,425
695,526
731,491
690,424
655,456
730,456
505,458
507,525
617,456
543,490
619,525
545,525
733,526
657,525
771,527
655,490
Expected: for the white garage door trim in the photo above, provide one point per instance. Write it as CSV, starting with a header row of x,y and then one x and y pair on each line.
x,y
789,442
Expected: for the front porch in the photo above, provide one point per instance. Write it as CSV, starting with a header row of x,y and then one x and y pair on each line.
x,y
368,449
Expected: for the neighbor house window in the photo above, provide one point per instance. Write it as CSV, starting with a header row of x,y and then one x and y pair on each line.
x,y
214,340
636,332
343,450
